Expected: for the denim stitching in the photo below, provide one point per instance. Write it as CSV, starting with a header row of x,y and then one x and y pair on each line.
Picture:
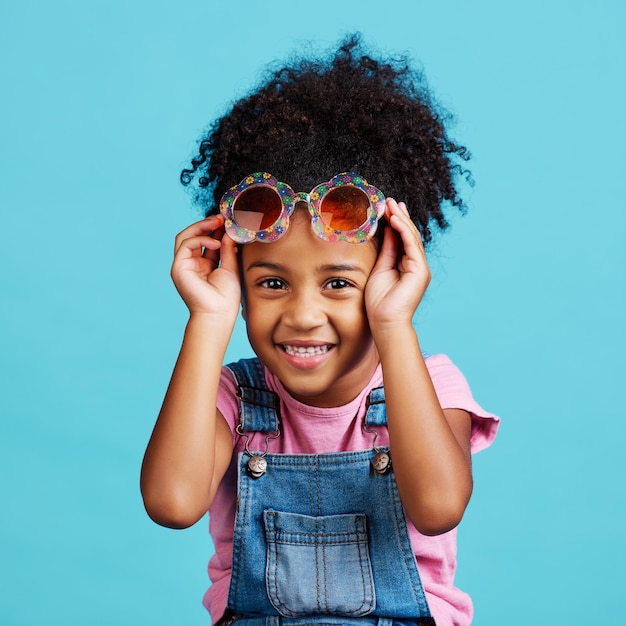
x,y
317,487
241,515
295,542
259,409
320,547
365,584
272,574
353,458
276,536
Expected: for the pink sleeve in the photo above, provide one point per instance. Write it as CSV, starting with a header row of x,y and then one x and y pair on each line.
x,y
227,402
454,393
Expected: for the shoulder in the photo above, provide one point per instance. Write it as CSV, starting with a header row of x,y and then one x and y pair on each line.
x,y
247,381
454,392
247,372
244,371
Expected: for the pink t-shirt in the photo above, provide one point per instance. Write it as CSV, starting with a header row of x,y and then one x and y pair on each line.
x,y
306,430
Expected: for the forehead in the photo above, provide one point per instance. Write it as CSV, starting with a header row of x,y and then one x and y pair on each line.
x,y
301,249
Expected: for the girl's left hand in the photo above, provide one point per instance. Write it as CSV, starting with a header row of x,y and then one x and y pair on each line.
x,y
401,274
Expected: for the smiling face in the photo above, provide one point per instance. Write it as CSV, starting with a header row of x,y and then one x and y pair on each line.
x,y
305,313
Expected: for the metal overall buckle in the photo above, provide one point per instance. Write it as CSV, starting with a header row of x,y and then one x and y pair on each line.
x,y
381,461
256,465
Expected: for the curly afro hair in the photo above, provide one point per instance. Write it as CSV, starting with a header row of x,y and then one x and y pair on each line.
x,y
313,119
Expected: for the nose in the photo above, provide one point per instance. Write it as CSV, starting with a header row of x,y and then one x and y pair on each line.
x,y
304,310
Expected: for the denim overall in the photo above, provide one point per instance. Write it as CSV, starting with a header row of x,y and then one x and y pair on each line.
x,y
319,538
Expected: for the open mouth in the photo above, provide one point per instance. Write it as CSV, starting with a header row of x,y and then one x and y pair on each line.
x,y
307,351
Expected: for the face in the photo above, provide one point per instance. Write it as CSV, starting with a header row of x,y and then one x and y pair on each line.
x,y
305,313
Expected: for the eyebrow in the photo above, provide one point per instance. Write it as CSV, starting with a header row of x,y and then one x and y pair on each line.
x,y
266,265
342,268
278,267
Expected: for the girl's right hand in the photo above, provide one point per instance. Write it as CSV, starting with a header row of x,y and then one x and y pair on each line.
x,y
205,270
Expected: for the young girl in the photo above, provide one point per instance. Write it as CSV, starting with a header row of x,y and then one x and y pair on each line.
x,y
336,465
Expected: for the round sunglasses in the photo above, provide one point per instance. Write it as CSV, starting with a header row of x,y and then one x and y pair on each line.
x,y
346,208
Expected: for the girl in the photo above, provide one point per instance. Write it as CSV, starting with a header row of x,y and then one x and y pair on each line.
x,y
336,465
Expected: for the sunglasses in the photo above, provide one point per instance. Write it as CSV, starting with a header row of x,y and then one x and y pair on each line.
x,y
346,208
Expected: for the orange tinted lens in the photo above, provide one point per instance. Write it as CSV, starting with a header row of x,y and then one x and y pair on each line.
x,y
345,208
257,208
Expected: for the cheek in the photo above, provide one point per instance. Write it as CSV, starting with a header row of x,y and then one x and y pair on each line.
x,y
259,319
255,331
353,319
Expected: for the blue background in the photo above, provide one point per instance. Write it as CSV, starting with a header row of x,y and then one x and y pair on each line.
x,y
102,103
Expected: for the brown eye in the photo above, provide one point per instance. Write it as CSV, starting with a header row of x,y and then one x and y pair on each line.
x,y
338,283
273,283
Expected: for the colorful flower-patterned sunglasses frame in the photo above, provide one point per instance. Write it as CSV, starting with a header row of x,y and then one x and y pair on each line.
x,y
313,199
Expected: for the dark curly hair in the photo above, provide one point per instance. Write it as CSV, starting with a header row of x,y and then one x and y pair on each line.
x,y
313,119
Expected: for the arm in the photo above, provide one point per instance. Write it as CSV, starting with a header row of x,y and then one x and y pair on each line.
x,y
191,445
430,447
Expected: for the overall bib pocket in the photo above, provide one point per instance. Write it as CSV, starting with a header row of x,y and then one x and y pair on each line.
x,y
318,565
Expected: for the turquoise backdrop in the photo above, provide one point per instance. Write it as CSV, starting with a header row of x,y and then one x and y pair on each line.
x,y
101,105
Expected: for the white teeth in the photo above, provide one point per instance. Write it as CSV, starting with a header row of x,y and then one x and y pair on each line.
x,y
305,352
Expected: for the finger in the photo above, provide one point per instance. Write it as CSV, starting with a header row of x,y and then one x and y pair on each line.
x,y
399,216
418,235
216,235
388,253
402,206
411,257
399,219
400,211
228,255
202,246
208,226
412,249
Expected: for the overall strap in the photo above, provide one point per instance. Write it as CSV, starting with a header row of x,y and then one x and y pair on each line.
x,y
376,413
259,408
